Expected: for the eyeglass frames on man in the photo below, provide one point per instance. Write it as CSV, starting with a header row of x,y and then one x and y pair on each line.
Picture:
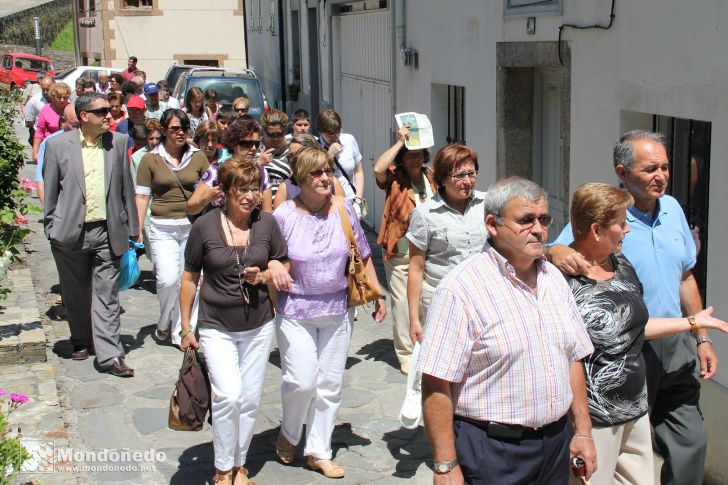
x,y
529,221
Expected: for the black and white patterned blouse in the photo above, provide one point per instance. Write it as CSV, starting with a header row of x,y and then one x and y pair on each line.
x,y
615,315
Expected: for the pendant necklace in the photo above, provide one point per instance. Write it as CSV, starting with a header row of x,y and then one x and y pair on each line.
x,y
241,284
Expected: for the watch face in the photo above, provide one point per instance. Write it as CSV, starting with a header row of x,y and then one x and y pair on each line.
x,y
442,467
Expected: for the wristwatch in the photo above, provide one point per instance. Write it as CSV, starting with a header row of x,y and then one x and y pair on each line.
x,y
442,467
702,339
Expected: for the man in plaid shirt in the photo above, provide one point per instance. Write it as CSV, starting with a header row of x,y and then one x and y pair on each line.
x,y
509,404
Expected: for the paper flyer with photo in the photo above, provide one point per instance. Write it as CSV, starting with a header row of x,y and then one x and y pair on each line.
x,y
420,129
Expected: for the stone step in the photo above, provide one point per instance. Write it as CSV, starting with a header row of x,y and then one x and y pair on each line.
x,y
22,339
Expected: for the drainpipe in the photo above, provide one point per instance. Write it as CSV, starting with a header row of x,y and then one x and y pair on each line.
x,y
282,66
400,42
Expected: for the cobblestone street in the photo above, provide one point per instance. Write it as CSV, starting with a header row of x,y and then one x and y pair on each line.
x,y
89,411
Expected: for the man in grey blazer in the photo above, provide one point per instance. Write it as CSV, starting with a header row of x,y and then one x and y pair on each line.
x,y
89,217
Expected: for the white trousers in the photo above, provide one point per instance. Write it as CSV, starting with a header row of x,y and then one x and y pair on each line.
x,y
313,357
624,454
236,362
168,250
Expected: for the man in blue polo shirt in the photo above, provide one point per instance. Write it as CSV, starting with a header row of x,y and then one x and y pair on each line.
x,y
662,250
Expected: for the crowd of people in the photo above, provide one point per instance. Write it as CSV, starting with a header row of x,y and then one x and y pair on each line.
x,y
530,355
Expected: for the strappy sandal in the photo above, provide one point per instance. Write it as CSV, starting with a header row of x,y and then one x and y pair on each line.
x,y
327,467
223,478
285,451
240,476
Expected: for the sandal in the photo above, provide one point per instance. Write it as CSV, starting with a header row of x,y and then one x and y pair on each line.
x,y
327,467
223,478
240,476
285,451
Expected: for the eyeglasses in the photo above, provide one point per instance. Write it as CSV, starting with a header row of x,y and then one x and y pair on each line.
x,y
176,129
249,143
99,111
319,173
240,110
245,190
463,175
274,135
529,221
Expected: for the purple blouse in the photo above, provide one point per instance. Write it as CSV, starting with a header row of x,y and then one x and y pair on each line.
x,y
318,253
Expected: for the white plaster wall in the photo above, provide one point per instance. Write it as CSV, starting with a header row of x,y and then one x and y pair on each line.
x,y
456,41
206,27
667,57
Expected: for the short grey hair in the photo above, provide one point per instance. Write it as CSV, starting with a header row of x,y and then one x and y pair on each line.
x,y
624,149
84,102
501,193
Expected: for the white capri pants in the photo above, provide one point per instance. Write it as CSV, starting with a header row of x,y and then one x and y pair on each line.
x,y
169,239
236,363
313,357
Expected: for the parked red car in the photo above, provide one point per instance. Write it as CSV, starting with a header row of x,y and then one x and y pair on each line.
x,y
16,68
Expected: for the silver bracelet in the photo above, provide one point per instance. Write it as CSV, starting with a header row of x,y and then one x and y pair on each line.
x,y
582,437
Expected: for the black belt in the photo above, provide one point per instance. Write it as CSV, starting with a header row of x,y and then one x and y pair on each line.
x,y
90,225
509,431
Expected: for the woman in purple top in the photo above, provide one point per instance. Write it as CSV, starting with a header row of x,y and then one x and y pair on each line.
x,y
313,321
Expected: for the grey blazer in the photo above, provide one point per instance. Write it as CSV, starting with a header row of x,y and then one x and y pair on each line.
x,y
65,192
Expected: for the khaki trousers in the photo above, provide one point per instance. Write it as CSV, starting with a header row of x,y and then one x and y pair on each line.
x,y
624,454
396,269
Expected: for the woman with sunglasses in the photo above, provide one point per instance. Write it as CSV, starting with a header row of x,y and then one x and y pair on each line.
x,y
274,151
168,175
314,321
242,139
233,245
49,118
408,184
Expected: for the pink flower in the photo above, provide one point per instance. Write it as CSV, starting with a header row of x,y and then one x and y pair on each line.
x,y
28,185
20,220
2,393
19,398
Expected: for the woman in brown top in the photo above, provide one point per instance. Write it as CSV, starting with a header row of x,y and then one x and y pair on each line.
x,y
234,247
168,175
400,172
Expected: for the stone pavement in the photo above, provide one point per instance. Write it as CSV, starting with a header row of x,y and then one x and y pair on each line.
x,y
102,414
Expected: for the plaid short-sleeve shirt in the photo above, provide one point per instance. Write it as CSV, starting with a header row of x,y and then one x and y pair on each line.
x,y
506,351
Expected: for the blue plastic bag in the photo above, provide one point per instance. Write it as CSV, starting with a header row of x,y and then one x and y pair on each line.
x,y
129,271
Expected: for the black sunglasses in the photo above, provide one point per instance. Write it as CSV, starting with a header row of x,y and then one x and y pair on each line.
x,y
249,143
99,111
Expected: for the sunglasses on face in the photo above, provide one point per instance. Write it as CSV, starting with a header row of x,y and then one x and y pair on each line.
x,y
274,135
176,129
249,143
241,110
99,111
319,173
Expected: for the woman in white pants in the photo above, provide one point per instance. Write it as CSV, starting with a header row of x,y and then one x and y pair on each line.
x,y
168,174
313,319
234,246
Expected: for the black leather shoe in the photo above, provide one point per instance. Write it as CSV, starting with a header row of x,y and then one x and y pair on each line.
x,y
119,369
80,352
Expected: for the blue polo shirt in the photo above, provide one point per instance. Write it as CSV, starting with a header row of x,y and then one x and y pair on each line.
x,y
661,250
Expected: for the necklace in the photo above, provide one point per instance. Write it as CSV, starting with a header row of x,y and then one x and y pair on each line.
x,y
314,213
241,284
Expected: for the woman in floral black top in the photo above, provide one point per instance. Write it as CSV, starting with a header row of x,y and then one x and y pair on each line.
x,y
609,297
